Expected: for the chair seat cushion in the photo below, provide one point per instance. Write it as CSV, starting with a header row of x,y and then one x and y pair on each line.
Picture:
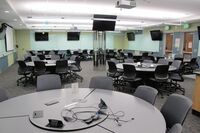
x,y
176,77
130,79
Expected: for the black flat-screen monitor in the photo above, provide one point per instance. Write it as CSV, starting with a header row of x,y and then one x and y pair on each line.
x,y
198,31
73,36
101,25
41,36
156,35
131,36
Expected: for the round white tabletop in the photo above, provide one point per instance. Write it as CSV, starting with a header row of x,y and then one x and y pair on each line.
x,y
48,63
145,67
139,116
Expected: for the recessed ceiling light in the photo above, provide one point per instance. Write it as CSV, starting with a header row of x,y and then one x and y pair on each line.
x,y
6,11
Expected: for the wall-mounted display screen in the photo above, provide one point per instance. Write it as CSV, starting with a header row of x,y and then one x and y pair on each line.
x,y
131,36
41,36
73,36
156,35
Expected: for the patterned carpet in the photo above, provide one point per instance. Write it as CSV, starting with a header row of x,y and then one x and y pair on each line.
x,y
9,77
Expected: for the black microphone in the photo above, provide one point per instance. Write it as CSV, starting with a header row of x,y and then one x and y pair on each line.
x,y
102,104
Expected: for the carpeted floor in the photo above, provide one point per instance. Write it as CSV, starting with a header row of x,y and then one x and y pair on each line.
x,y
9,77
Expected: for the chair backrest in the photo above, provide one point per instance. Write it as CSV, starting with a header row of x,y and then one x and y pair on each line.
x,y
61,65
68,52
41,56
101,82
129,70
163,61
177,128
22,64
161,72
175,109
85,51
146,93
39,67
130,55
176,63
147,61
3,95
48,82
22,67
112,66
91,52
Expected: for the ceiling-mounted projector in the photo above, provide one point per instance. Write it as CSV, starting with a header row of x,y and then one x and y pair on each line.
x,y
127,4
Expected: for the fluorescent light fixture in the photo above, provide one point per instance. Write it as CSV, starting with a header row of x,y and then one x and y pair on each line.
x,y
7,11
129,23
88,9
56,20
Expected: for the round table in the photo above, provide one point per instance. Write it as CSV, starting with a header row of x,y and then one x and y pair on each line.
x,y
140,116
48,63
145,67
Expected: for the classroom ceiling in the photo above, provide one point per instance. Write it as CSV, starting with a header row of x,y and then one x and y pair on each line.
x,y
67,14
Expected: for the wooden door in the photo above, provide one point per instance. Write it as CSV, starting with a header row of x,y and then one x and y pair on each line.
x,y
169,42
188,42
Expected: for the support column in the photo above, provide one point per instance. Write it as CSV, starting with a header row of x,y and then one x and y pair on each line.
x,y
99,47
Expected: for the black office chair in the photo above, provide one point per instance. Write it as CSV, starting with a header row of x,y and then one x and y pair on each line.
x,y
191,66
130,55
85,54
113,72
163,61
41,56
75,68
176,76
40,68
62,68
24,70
68,54
91,54
161,77
129,75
